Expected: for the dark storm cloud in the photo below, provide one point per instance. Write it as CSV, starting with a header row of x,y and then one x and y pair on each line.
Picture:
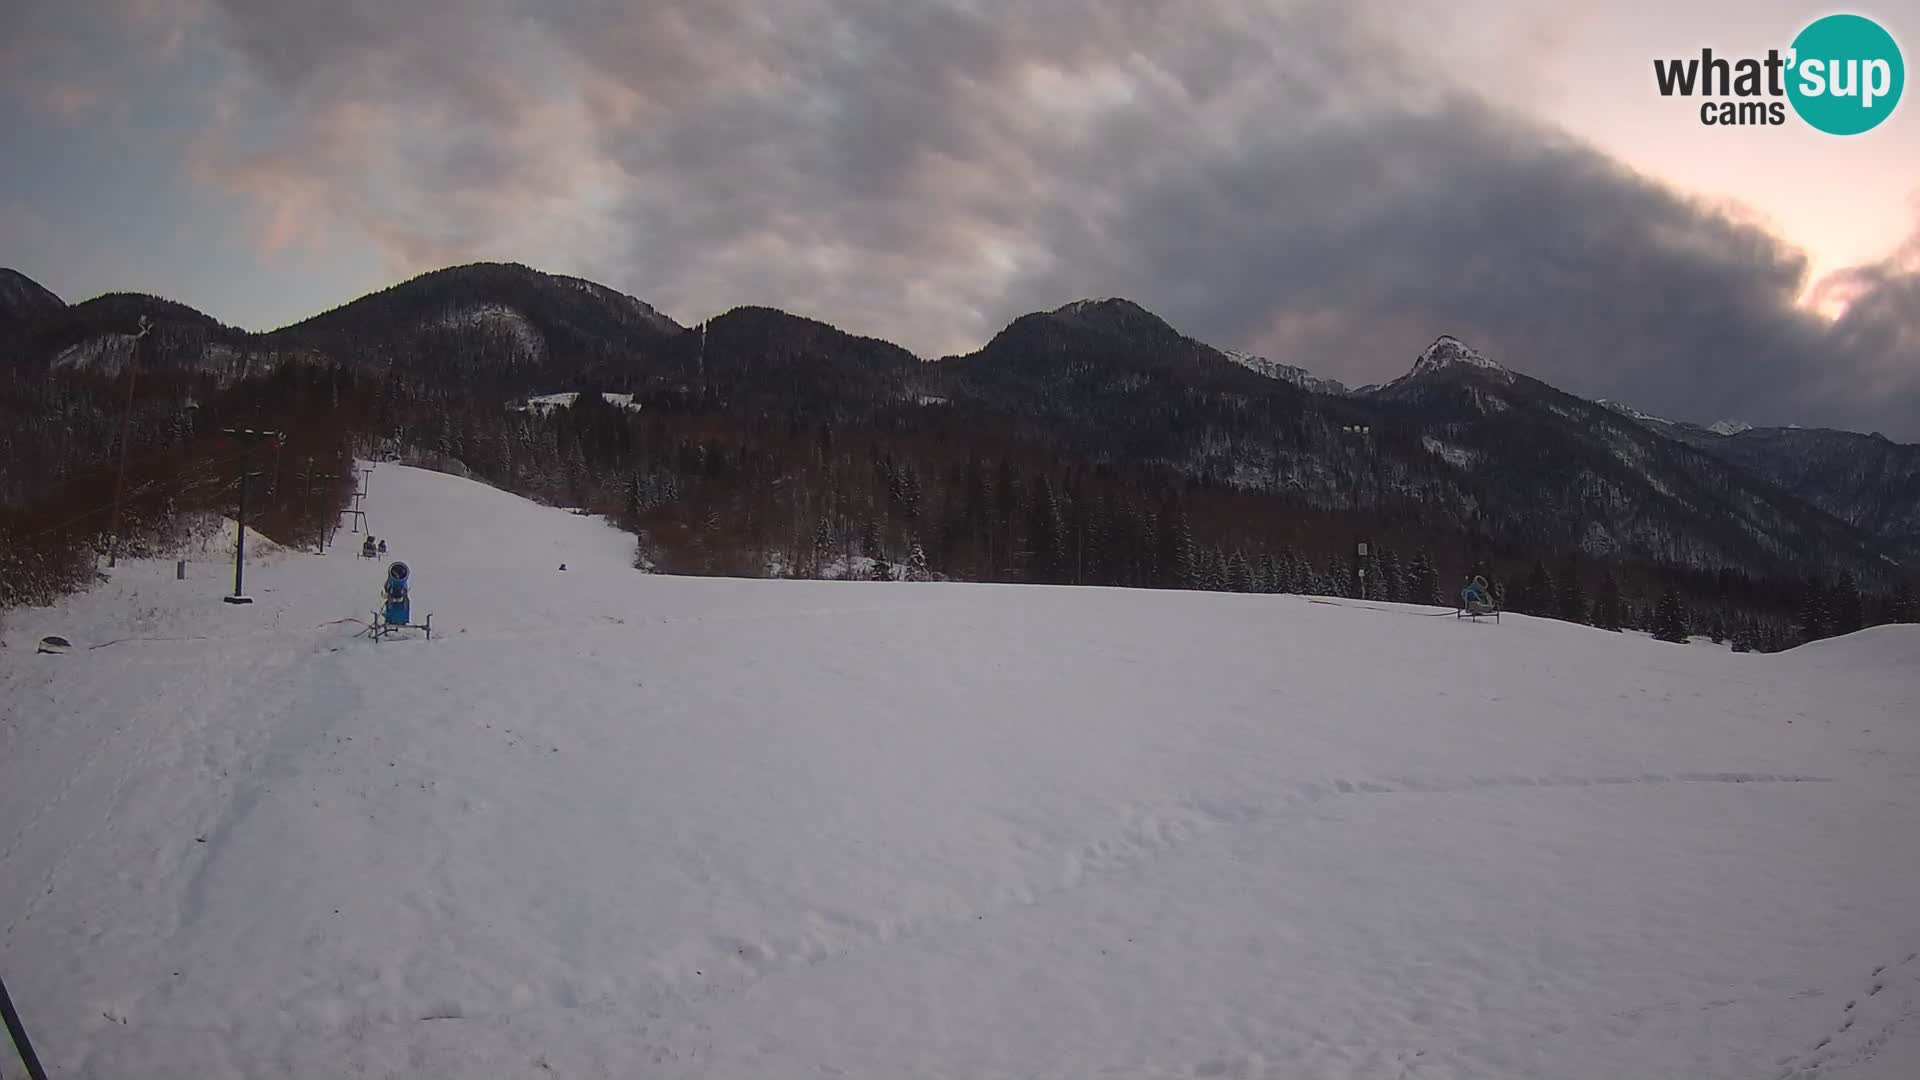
x,y
1364,239
1291,179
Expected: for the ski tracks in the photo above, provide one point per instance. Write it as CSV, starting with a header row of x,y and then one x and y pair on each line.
x,y
735,963
147,809
1886,1002
126,748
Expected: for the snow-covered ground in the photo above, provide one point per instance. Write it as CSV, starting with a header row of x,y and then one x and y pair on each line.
x,y
609,824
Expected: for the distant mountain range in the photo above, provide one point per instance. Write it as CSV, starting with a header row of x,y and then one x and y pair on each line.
x,y
1460,444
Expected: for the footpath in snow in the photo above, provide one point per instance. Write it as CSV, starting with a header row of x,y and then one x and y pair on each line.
x,y
609,824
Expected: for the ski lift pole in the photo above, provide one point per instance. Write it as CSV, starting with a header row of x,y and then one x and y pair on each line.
x,y
19,1032
248,438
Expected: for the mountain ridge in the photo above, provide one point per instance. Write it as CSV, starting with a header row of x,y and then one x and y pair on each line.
x,y
22,298
1460,443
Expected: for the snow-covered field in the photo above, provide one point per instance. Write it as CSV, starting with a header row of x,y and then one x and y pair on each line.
x,y
609,824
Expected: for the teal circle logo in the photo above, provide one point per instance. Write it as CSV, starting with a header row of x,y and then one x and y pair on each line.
x,y
1846,74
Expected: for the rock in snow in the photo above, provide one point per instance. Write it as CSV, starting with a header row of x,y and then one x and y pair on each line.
x,y
617,824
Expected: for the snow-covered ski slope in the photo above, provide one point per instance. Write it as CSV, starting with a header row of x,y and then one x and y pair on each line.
x,y
609,824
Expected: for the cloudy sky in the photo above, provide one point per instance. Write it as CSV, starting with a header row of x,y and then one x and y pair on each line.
x,y
1332,184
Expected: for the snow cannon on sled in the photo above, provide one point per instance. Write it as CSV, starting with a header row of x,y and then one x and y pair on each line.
x,y
396,614
1476,601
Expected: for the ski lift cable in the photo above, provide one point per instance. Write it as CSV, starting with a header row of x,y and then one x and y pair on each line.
x,y
148,486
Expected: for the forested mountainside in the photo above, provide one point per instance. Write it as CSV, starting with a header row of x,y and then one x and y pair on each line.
x,y
1093,443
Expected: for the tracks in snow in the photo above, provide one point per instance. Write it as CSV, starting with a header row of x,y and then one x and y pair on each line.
x,y
1888,1000
734,963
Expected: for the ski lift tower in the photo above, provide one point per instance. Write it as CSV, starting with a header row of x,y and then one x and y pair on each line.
x,y
249,439
1363,433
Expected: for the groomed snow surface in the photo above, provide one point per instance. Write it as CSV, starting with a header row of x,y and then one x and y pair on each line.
x,y
609,824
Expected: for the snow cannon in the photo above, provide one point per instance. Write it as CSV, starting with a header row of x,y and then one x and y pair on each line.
x,y
399,607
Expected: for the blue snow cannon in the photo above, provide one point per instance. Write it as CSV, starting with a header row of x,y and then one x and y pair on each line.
x,y
399,608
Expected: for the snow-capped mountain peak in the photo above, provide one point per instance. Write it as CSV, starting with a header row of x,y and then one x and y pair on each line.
x,y
1448,351
1729,427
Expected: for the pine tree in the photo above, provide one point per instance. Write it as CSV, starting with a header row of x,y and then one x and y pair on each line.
x,y
1043,533
1239,573
1812,614
1846,605
1542,598
1339,577
631,506
1214,576
1670,618
1638,616
1294,572
823,543
1902,608
917,561
1608,608
910,493
1392,579
1270,579
1515,596
1423,581
1177,564
1572,600
882,569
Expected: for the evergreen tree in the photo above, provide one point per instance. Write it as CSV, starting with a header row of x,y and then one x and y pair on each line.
x,y
632,506
882,569
1043,533
910,495
1542,598
1177,564
917,561
1670,618
1214,576
1295,573
1903,608
1608,607
1392,586
1239,573
1572,600
1812,613
1423,581
1515,596
823,543
1270,578
1339,577
870,539
1846,606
